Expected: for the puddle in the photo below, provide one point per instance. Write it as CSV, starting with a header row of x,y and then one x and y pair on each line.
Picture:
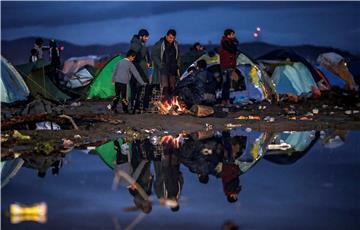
x,y
255,180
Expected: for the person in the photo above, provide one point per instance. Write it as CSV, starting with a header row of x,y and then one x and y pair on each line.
x,y
54,54
195,52
166,63
39,46
121,78
228,54
34,56
55,63
142,63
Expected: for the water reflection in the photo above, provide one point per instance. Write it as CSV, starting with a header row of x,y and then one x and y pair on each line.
x,y
223,155
152,171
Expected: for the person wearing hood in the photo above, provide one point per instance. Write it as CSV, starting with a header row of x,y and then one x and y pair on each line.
x,y
142,63
228,54
166,59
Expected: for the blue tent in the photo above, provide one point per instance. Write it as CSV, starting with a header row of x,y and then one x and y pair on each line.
x,y
12,86
293,78
333,79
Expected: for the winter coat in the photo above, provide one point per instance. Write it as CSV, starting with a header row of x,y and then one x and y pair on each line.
x,y
228,53
157,57
141,59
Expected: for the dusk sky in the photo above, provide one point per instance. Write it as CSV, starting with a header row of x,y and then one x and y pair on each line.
x,y
334,24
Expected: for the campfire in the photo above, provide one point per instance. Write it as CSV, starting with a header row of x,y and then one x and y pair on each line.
x,y
170,107
175,141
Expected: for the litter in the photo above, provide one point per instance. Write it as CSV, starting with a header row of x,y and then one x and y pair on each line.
x,y
248,130
230,125
47,125
355,111
250,117
315,111
20,136
77,136
348,112
76,104
324,106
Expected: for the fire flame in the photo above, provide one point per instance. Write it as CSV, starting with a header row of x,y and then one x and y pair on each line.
x,y
175,141
174,104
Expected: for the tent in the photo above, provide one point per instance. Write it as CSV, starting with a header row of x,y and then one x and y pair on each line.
x,y
12,86
39,82
333,79
81,78
102,86
107,152
74,64
337,65
9,169
248,80
291,73
288,147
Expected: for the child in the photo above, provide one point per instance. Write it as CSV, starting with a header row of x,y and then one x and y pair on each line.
x,y
121,78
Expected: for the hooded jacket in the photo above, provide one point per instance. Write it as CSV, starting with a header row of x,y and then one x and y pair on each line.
x,y
141,59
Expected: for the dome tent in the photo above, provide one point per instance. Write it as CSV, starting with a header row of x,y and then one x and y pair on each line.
x,y
12,85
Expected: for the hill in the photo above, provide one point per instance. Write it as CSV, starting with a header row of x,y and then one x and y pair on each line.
x,y
18,51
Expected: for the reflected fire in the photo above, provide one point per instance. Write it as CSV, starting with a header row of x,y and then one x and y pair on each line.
x,y
175,141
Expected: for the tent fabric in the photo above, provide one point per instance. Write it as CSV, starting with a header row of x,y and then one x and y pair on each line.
x,y
39,83
102,86
282,55
81,78
12,86
9,169
254,86
107,152
333,79
74,64
300,142
336,64
295,79
330,58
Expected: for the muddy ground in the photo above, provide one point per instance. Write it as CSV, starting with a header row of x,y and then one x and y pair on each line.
x,y
96,125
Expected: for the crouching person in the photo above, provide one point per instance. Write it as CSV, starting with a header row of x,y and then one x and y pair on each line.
x,y
121,78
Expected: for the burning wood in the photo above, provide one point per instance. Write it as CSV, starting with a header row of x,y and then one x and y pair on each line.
x,y
172,107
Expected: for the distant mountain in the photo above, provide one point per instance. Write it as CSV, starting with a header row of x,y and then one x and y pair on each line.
x,y
18,51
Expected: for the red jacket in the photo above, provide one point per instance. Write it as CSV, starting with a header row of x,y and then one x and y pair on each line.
x,y
228,53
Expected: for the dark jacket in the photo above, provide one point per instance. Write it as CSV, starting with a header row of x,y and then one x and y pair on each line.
x,y
141,59
228,53
157,57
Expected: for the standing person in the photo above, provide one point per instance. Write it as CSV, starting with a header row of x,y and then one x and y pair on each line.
x,y
142,63
39,46
228,54
121,78
55,63
166,59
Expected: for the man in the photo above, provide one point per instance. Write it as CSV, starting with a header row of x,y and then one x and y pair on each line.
x,y
142,63
122,74
228,54
166,59
196,51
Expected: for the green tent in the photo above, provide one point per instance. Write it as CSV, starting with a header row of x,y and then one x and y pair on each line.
x,y
38,81
107,152
102,86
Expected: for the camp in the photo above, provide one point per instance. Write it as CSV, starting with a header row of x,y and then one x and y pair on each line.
x,y
13,87
291,73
